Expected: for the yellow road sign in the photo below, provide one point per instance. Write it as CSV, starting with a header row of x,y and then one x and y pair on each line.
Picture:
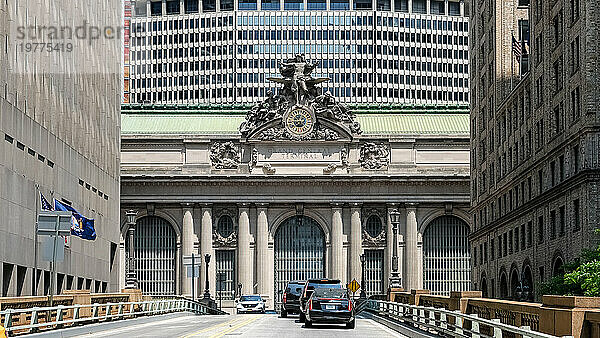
x,y
353,286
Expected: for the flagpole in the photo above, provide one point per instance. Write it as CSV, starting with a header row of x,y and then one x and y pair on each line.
x,y
38,196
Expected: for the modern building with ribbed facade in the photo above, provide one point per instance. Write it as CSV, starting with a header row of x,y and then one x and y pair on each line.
x,y
297,186
383,51
60,132
535,127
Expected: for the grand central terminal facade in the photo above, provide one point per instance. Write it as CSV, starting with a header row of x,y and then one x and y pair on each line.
x,y
295,187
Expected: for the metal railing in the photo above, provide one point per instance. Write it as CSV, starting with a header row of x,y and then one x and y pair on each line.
x,y
21,321
450,323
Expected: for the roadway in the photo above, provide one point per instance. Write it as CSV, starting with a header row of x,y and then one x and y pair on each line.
x,y
185,325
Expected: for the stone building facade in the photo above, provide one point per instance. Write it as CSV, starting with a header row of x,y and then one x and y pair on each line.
x,y
535,166
297,187
59,125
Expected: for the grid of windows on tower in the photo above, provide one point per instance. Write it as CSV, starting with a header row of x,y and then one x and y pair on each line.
x,y
384,57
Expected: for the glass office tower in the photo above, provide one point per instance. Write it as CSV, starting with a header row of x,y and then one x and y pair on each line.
x,y
373,51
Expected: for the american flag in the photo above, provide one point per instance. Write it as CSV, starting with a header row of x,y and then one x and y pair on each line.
x,y
516,47
45,204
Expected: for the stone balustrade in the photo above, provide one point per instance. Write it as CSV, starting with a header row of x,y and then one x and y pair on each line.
x,y
69,297
557,315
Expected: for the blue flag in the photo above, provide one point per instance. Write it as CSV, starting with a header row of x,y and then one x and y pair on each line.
x,y
45,204
80,226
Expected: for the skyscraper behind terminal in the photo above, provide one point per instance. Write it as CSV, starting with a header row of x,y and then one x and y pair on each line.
x,y
402,51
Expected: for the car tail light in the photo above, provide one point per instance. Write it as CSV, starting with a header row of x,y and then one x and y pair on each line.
x,y
310,305
284,297
349,305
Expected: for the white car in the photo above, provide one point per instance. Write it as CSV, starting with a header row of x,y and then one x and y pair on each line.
x,y
250,303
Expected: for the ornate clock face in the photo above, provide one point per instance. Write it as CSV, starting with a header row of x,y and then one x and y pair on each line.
x,y
299,121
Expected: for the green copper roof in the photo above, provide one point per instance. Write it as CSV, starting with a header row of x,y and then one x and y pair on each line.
x,y
153,122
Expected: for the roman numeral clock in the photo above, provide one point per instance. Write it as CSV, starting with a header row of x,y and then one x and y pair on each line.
x,y
299,121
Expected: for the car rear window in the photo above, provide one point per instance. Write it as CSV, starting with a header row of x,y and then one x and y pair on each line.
x,y
330,293
250,298
326,286
295,289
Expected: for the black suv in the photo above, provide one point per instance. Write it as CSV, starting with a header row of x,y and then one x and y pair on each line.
x,y
291,298
310,287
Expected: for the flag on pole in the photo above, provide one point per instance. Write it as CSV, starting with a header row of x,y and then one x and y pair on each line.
x,y
45,204
80,226
516,48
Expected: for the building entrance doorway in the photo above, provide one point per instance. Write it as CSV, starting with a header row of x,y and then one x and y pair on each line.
x,y
299,252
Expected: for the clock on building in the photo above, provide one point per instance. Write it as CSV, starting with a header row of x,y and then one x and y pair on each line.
x,y
299,121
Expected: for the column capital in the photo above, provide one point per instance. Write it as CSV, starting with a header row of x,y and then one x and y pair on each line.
x,y
262,205
336,205
206,205
410,205
392,206
243,205
356,205
188,205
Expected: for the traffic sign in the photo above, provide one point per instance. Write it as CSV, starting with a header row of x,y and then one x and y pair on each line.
x,y
48,221
193,271
353,286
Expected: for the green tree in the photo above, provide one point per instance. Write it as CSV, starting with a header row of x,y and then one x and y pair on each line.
x,y
578,278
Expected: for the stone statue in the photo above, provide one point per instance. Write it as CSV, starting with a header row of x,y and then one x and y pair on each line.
x,y
299,89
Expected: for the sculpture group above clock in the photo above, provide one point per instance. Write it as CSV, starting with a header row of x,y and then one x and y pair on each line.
x,y
299,111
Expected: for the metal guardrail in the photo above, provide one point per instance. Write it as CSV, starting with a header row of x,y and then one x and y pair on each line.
x,y
449,323
60,316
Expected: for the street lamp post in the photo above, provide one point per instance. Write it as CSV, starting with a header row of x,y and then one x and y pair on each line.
x,y
395,280
131,278
363,292
206,284
522,291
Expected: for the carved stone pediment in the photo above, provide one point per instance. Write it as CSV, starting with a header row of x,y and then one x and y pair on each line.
x,y
374,156
299,112
224,155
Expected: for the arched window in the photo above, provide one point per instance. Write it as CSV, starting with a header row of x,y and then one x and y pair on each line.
x,y
557,266
446,258
374,227
155,246
225,226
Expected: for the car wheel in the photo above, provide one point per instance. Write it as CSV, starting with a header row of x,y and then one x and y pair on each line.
x,y
308,323
283,314
351,324
302,317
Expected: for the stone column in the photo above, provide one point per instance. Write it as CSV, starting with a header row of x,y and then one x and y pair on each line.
x,y
244,263
188,245
411,266
337,243
355,242
207,248
262,248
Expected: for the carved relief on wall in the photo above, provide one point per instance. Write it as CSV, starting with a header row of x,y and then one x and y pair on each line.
x,y
224,229
374,156
373,229
224,155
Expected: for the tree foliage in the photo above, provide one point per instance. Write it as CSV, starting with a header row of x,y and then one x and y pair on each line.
x,y
578,278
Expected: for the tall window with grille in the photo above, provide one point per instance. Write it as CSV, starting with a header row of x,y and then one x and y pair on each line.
x,y
374,272
225,274
154,248
446,256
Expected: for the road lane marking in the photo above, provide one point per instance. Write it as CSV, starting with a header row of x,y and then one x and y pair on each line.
x,y
233,321
387,329
129,328
221,334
